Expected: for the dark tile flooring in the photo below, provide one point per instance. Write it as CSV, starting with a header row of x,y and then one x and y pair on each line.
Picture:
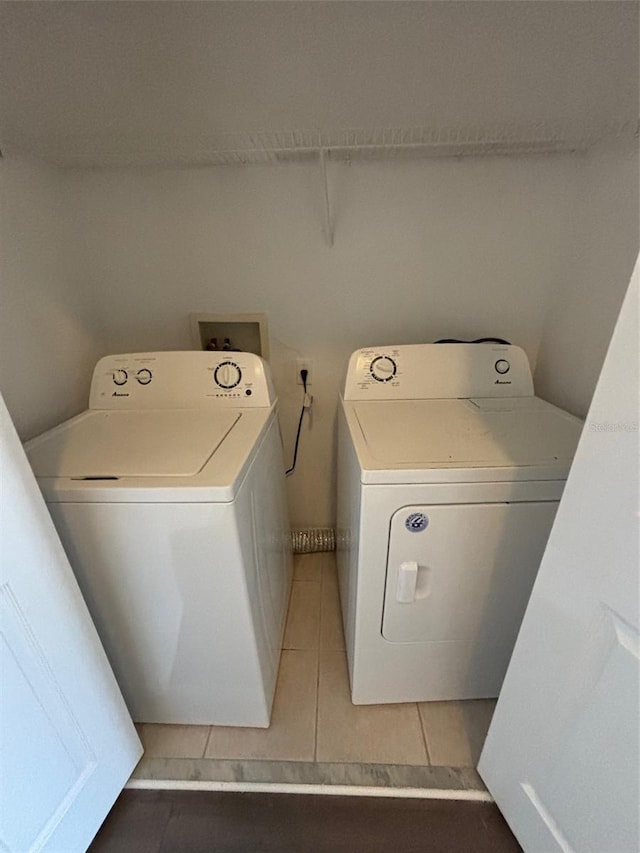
x,y
212,822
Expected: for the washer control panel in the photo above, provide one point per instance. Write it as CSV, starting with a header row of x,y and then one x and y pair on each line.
x,y
175,380
438,371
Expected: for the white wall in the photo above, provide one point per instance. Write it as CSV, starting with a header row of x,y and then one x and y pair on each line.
x,y
49,335
467,248
585,306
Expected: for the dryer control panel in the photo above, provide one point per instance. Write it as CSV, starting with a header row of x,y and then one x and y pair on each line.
x,y
438,371
181,380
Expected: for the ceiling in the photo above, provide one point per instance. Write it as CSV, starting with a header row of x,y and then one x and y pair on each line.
x,y
90,83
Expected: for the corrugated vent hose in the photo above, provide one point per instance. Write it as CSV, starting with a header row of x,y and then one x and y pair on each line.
x,y
313,539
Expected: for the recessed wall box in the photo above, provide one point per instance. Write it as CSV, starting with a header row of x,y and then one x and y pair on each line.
x,y
246,332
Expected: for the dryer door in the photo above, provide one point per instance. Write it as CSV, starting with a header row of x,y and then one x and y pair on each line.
x,y
463,572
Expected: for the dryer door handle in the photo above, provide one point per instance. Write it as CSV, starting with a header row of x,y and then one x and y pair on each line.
x,y
407,582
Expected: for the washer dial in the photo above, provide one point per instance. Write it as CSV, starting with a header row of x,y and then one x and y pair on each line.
x,y
120,377
383,368
144,376
502,366
227,375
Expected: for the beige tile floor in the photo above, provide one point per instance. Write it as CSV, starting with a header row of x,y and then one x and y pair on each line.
x,y
313,718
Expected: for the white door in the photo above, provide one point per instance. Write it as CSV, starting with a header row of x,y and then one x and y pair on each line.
x,y
562,754
67,743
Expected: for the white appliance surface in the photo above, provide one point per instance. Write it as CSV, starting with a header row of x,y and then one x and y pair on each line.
x,y
446,495
160,427
175,523
109,444
452,371
517,432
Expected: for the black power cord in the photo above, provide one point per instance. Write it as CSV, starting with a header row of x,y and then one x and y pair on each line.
x,y
477,341
305,405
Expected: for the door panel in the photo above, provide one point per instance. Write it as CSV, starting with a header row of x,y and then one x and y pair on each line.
x,y
563,751
476,564
37,706
67,743
559,791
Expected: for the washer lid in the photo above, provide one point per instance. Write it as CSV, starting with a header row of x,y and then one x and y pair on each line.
x,y
492,433
114,444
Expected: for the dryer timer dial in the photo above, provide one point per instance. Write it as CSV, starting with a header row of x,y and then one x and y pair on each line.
x,y
383,368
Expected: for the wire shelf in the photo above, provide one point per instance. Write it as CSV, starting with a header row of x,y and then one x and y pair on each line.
x,y
406,143
351,145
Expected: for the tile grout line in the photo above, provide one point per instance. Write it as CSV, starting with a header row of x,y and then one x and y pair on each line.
x,y
424,734
206,743
320,620
315,734
320,594
322,585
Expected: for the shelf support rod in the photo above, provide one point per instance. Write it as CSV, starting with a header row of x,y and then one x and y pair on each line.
x,y
328,224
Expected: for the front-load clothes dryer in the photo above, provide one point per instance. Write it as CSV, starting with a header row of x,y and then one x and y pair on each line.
x,y
168,496
450,471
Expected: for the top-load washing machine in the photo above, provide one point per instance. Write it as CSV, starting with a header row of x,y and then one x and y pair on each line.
x,y
168,495
450,473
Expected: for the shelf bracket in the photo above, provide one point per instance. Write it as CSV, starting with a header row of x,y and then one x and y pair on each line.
x,y
328,223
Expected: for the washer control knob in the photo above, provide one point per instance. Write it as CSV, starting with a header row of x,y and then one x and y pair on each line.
x,y
120,377
144,376
227,375
502,366
383,368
